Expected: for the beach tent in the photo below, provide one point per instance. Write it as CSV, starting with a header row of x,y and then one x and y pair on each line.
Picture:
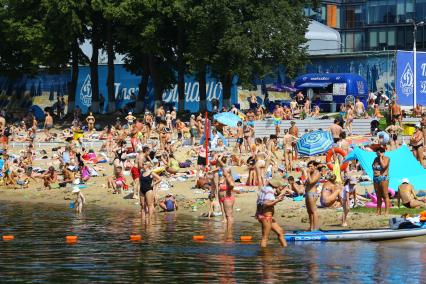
x,y
38,112
403,164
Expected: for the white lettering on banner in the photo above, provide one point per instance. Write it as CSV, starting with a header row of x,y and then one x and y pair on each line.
x,y
423,87
423,69
86,92
406,81
192,94
116,89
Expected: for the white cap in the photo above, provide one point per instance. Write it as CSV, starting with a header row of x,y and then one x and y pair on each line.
x,y
405,180
75,189
130,113
418,125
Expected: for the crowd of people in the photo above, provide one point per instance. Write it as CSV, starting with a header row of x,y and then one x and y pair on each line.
x,y
146,146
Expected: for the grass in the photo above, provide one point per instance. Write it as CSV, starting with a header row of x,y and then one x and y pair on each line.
x,y
393,211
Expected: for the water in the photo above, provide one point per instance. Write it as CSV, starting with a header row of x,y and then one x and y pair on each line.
x,y
104,253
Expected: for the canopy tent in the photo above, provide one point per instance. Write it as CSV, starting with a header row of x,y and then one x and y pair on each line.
x,y
403,164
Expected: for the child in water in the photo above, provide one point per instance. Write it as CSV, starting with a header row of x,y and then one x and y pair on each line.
x,y
79,199
214,208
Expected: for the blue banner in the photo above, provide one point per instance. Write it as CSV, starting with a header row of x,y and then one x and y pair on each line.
x,y
404,80
127,90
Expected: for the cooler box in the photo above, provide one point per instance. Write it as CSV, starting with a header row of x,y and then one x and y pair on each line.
x,y
408,129
78,134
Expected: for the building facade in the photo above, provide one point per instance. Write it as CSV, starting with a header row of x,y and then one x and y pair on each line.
x,y
373,25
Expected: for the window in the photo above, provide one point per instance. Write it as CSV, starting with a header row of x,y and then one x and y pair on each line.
x,y
382,11
400,38
373,39
409,9
400,12
349,42
391,39
420,11
358,42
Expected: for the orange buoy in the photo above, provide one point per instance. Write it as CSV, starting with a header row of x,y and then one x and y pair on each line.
x,y
198,238
71,239
8,238
246,238
135,238
330,154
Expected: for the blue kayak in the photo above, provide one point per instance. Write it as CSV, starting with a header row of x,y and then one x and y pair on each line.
x,y
353,235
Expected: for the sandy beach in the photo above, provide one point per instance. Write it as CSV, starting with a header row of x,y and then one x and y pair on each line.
x,y
193,202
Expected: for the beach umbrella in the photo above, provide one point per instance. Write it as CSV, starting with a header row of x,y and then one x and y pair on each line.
x,y
314,143
227,118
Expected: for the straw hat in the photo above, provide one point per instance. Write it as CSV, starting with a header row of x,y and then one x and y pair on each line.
x,y
276,182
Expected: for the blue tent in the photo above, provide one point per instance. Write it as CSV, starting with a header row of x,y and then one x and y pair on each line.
x,y
38,112
403,164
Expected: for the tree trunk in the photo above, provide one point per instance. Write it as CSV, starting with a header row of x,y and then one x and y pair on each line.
x,y
202,88
111,71
226,90
143,87
181,71
74,76
158,92
94,80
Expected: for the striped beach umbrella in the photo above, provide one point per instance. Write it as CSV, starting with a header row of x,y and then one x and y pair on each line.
x,y
314,143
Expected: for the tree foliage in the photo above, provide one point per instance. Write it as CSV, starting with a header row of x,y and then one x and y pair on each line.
x,y
161,40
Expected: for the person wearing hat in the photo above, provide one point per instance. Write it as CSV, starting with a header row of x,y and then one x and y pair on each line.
x,y
345,195
130,119
381,179
416,143
79,199
408,196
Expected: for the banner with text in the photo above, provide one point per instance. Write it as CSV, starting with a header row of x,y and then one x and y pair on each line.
x,y
404,81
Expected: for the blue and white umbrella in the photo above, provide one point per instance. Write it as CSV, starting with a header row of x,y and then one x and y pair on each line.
x,y
227,118
314,143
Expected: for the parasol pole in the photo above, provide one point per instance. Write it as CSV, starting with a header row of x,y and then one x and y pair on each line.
x,y
207,135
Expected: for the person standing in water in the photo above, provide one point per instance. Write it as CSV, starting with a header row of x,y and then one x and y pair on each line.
x,y
265,204
381,180
79,199
312,176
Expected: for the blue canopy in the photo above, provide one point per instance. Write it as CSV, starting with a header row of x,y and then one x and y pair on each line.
x,y
403,164
355,84
37,111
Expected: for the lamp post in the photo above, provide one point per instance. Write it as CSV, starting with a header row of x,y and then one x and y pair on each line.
x,y
415,25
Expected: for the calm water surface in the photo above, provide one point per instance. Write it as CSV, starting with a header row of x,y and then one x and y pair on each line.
x,y
167,252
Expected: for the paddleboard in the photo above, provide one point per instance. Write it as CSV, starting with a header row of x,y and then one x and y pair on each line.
x,y
353,235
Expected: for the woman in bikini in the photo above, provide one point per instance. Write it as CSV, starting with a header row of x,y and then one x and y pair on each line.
x,y
148,180
261,157
226,193
381,180
265,212
247,137
330,192
416,142
312,176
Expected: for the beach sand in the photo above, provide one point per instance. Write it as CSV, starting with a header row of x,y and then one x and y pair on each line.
x,y
290,214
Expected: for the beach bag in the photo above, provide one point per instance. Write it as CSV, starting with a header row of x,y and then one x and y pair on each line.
x,y
185,164
401,223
